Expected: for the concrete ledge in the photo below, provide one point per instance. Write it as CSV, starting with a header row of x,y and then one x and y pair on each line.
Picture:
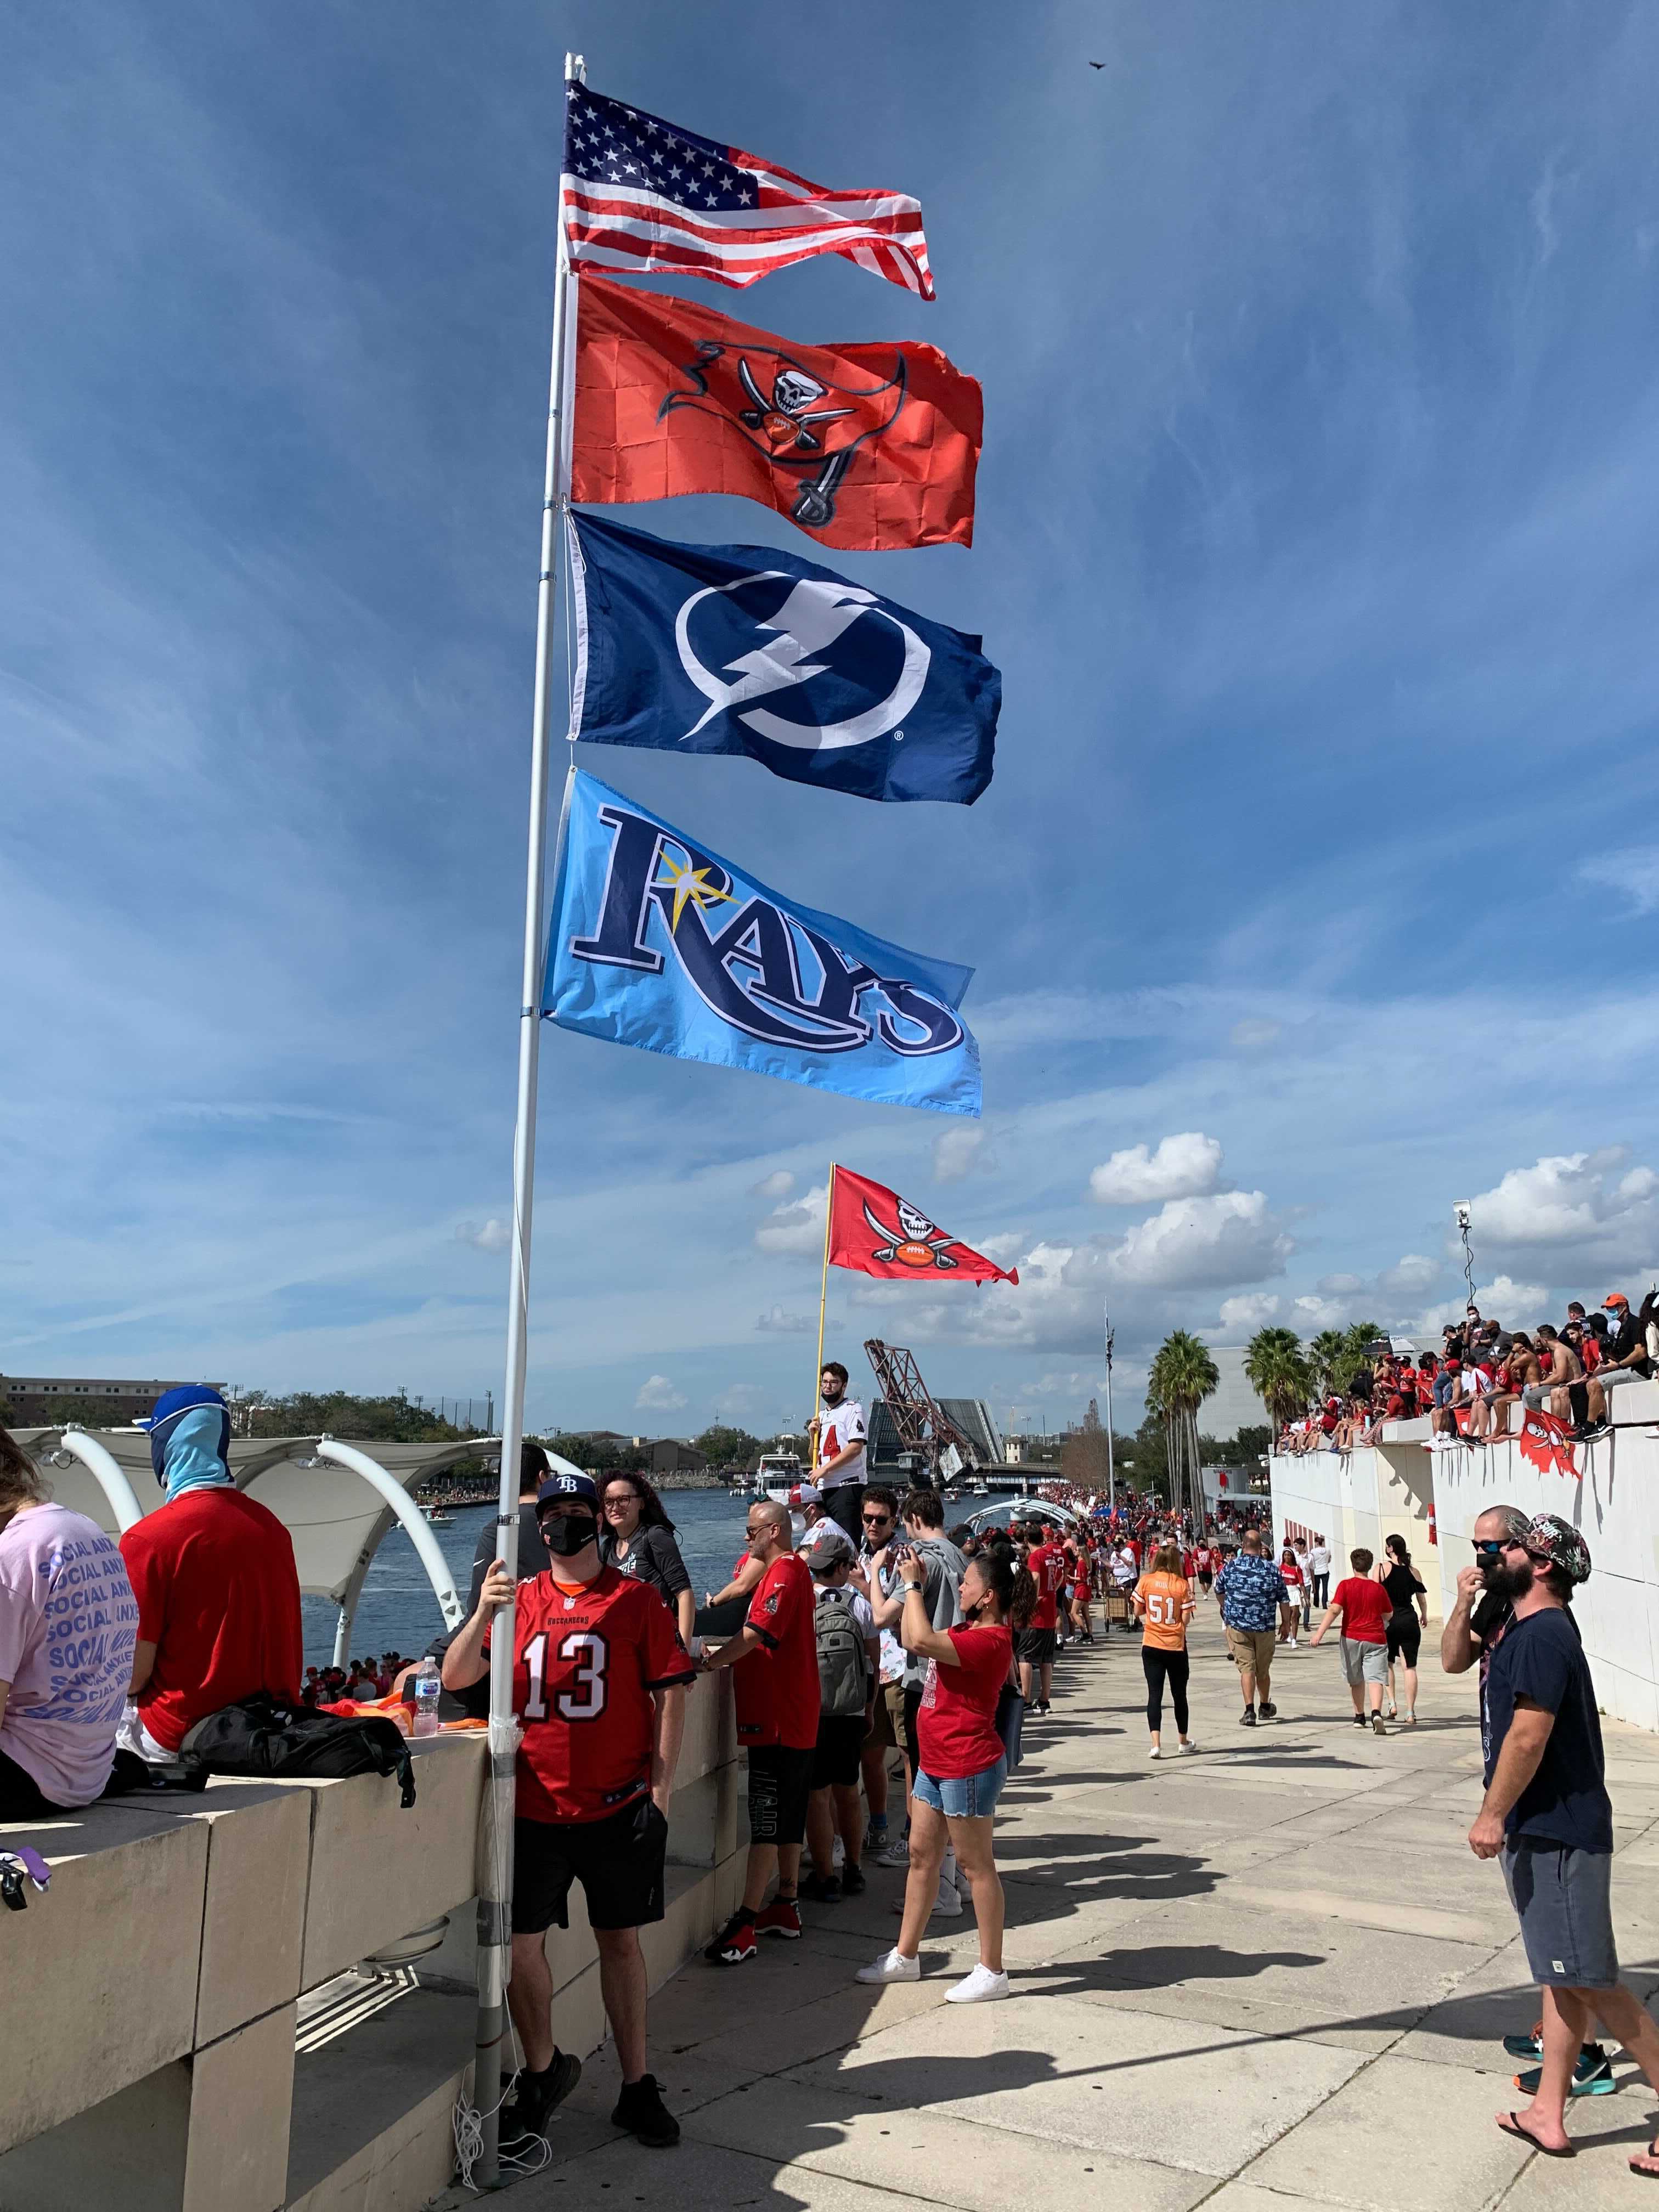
x,y
151,1994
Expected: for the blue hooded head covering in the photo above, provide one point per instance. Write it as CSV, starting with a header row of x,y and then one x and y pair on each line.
x,y
190,1440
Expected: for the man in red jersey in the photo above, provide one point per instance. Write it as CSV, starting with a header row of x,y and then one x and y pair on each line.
x,y
599,1685
1046,1564
214,1575
776,1688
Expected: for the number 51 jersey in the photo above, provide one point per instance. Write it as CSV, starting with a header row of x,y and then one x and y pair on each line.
x,y
587,1657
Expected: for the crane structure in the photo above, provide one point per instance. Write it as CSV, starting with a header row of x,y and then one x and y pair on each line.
x,y
922,1427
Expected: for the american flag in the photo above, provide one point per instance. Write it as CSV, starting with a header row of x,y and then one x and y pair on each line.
x,y
639,193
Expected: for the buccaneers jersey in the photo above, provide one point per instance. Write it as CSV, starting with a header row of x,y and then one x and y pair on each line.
x,y
585,1663
1046,1564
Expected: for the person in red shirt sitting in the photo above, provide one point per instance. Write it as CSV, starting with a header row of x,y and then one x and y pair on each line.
x,y
1045,1563
599,1685
777,1694
963,1764
213,1572
1364,1605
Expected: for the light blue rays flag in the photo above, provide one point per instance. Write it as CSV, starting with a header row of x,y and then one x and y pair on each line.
x,y
658,942
743,649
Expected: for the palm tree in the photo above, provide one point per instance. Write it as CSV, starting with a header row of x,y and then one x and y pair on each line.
x,y
1278,1370
1181,1376
1340,1353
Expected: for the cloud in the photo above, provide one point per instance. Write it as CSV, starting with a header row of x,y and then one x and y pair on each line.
x,y
777,1322
797,1227
958,1152
1634,871
1338,1286
1243,1316
1184,1166
1253,1037
1568,1199
1410,1276
777,1184
1193,1244
493,1236
657,1394
740,1399
1517,1305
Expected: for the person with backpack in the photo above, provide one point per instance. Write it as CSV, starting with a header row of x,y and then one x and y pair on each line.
x,y
850,1664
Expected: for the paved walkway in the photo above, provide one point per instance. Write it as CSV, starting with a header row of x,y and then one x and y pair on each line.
x,y
1270,1975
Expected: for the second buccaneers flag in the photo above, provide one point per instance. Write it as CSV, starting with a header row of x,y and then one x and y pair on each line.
x,y
866,447
874,1230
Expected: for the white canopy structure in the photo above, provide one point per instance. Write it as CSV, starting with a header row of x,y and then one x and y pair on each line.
x,y
335,1500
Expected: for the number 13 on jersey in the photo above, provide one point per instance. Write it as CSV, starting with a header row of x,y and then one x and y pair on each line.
x,y
586,1651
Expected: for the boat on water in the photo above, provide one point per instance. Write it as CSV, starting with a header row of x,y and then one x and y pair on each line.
x,y
437,1516
777,1471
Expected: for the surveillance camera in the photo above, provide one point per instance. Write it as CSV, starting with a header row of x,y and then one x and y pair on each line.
x,y
1461,1212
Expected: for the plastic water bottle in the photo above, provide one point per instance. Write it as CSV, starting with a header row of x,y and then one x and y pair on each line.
x,y
425,1686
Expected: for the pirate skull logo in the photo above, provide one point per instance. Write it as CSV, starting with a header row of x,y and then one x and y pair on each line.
x,y
916,1243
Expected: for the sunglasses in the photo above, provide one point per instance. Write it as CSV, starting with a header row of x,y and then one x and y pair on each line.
x,y
1490,1547
876,1520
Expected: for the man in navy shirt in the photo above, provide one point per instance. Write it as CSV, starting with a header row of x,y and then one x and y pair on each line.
x,y
1547,1813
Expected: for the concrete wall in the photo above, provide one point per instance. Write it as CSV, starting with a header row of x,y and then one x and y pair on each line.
x,y
1609,1489
154,1996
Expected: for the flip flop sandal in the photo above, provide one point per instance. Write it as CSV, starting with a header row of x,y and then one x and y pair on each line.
x,y
1646,2172
1513,2127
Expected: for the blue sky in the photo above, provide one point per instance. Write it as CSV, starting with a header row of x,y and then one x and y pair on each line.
x,y
1318,886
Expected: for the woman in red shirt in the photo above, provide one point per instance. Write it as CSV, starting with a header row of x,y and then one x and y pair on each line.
x,y
1364,1606
962,1765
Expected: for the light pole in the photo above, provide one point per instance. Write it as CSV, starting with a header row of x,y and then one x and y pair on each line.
x,y
1111,1470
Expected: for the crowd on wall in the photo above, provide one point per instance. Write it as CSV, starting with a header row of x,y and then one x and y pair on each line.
x,y
1475,1388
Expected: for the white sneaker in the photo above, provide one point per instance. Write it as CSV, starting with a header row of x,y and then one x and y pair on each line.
x,y
892,1967
1188,1748
1155,1753
838,1856
948,1902
897,1853
981,1987
1290,1644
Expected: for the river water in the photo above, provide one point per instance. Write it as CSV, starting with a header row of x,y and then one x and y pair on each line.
x,y
399,1612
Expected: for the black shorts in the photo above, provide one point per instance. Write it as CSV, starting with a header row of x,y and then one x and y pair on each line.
x,y
780,1779
1036,1645
619,1862
1405,1636
844,1505
841,1742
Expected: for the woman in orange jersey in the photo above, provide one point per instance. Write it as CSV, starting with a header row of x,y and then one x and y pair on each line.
x,y
1164,1604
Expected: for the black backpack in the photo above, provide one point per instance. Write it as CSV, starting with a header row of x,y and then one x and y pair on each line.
x,y
261,1739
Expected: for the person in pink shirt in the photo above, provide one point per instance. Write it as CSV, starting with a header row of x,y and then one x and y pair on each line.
x,y
69,1628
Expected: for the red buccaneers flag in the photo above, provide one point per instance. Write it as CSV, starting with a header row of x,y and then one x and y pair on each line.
x,y
873,1230
866,447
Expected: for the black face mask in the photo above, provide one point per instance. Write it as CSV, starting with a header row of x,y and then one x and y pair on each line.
x,y
567,1534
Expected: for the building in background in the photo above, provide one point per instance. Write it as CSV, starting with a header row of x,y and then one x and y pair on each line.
x,y
1235,1406
39,1401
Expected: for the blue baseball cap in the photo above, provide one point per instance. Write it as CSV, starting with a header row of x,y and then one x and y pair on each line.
x,y
167,1412
566,1490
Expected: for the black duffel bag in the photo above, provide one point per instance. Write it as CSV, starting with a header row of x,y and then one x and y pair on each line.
x,y
263,1741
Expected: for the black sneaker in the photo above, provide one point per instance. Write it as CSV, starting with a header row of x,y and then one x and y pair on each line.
x,y
1247,1718
735,1942
1360,1720
852,1883
641,2110
1267,1712
538,2095
822,1889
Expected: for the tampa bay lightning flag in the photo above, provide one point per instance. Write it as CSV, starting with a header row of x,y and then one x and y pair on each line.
x,y
742,649
658,942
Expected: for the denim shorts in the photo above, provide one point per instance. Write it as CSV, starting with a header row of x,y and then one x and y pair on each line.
x,y
973,1797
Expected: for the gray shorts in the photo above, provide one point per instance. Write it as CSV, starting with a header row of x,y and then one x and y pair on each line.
x,y
1364,1663
1563,1900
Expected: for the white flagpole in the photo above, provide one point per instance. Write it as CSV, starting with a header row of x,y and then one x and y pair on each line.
x,y
495,1885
